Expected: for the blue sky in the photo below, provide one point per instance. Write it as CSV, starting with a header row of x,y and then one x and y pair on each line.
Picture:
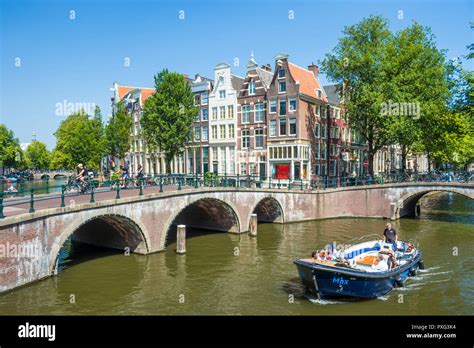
x,y
77,60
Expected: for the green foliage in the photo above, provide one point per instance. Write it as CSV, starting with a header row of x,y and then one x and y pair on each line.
x,y
10,151
37,156
377,67
168,115
358,63
79,140
117,132
416,75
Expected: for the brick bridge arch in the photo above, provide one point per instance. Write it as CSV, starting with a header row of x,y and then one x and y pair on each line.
x,y
112,230
407,203
206,213
268,209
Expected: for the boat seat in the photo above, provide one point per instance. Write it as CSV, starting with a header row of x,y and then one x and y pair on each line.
x,y
368,260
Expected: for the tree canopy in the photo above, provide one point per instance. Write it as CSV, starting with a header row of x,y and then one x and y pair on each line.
x,y
79,139
10,151
168,115
117,132
37,156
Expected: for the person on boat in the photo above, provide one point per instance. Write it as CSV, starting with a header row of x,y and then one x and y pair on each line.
x,y
390,235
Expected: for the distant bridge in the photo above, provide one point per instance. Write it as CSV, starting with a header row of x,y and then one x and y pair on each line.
x,y
52,175
142,223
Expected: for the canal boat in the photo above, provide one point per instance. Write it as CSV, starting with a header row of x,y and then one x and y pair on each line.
x,y
366,270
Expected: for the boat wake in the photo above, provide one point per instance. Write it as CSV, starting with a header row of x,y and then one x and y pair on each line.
x,y
322,301
427,269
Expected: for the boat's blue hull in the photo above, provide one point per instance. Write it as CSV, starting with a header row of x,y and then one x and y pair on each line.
x,y
328,281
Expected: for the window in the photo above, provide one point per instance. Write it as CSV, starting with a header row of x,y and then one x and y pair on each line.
x,y
198,117
230,111
343,134
281,87
292,104
323,151
292,126
205,133
323,133
205,99
317,130
243,169
231,131
316,110
214,132
259,138
282,126
319,93
214,113
259,112
281,73
273,126
222,131
252,88
222,112
316,169
222,94
332,150
331,133
205,114
273,106
197,99
282,107
136,116
253,168
197,133
245,113
322,112
318,150
245,138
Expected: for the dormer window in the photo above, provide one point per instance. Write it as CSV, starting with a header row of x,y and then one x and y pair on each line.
x,y
222,94
281,73
252,88
318,91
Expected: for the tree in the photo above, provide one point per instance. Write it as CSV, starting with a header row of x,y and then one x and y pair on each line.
x,y
357,63
80,139
168,115
415,77
117,132
10,151
37,156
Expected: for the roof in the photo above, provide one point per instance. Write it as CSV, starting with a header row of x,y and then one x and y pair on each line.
x,y
237,82
265,76
334,97
145,93
308,82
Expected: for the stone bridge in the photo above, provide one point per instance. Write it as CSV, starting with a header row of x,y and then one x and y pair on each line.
x,y
30,242
52,175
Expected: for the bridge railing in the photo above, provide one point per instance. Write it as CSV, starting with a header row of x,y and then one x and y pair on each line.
x,y
57,194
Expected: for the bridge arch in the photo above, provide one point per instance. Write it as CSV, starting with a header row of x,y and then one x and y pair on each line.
x,y
205,213
45,177
407,204
116,231
268,209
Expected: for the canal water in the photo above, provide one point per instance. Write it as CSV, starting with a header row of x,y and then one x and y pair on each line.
x,y
230,274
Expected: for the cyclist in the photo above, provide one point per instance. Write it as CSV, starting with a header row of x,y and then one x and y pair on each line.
x,y
139,175
81,173
124,175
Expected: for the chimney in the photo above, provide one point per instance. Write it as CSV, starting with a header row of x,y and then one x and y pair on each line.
x,y
267,67
314,69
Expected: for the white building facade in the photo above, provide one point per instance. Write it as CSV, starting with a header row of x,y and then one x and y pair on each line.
x,y
223,121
